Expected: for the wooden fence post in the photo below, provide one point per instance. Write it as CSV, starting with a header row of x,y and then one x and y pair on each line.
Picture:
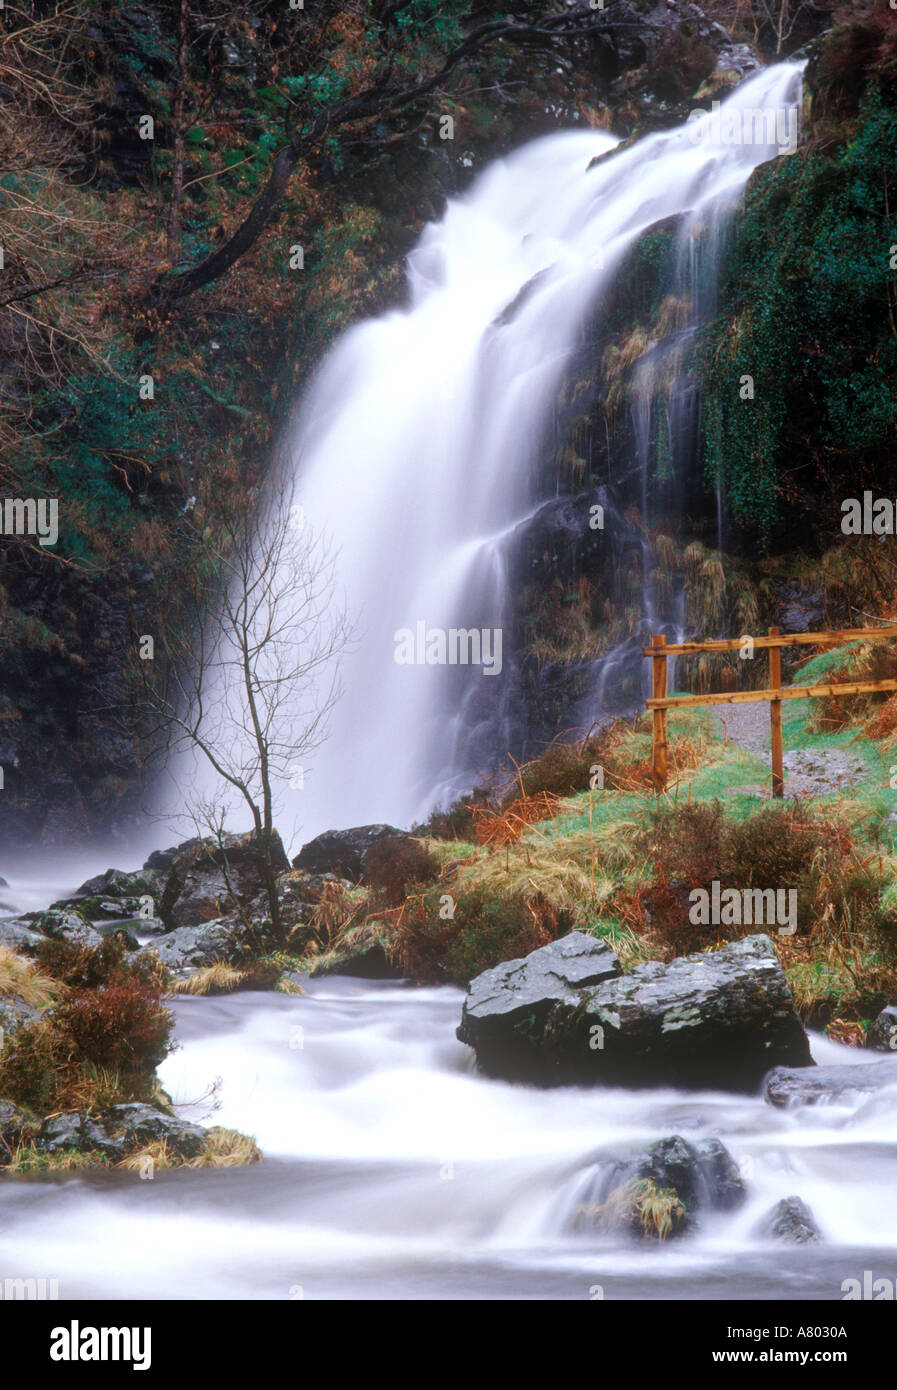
x,y
775,716
659,683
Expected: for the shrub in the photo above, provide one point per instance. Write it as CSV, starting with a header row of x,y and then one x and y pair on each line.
x,y
121,1026
102,1043
393,864
690,846
484,930
456,822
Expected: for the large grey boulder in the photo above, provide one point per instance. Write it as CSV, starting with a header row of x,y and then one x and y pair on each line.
x,y
185,948
713,1019
116,883
19,936
65,925
787,1088
508,1007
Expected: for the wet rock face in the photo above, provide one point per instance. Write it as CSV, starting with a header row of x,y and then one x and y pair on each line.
x,y
136,1124
714,1019
785,1087
790,1220
673,1176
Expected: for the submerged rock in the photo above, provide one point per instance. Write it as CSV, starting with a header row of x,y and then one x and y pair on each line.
x,y
342,852
789,1220
787,1087
713,1019
661,1191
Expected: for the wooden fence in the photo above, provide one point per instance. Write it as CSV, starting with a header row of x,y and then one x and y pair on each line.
x,y
775,694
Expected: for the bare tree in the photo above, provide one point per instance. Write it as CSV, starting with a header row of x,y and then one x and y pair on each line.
x,y
782,16
251,687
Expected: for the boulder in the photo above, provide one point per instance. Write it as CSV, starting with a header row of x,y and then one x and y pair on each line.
x,y
125,931
196,889
342,852
882,1036
64,925
507,1008
19,936
104,909
713,1019
17,1127
674,1177
13,1013
786,1088
135,1125
62,1133
789,1220
115,883
225,939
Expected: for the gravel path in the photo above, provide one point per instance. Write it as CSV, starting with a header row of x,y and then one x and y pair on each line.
x,y
808,771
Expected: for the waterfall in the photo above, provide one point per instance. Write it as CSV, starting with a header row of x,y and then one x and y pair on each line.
x,y
418,444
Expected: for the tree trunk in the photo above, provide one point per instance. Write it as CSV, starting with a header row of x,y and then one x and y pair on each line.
x,y
246,234
177,175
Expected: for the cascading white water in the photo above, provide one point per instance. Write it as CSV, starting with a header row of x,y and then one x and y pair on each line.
x,y
415,449
393,1170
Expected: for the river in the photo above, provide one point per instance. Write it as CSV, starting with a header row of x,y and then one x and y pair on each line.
x,y
393,1170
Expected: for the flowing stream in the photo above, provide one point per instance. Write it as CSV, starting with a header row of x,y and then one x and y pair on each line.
x,y
393,1170
418,445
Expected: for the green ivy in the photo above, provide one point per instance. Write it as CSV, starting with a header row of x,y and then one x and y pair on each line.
x,y
805,316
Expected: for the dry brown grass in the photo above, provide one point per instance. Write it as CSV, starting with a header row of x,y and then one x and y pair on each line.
x,y
20,978
498,828
217,978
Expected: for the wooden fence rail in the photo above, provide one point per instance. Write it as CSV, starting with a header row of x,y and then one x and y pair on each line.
x,y
660,702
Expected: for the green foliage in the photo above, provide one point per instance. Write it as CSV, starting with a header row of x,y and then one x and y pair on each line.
x,y
808,315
